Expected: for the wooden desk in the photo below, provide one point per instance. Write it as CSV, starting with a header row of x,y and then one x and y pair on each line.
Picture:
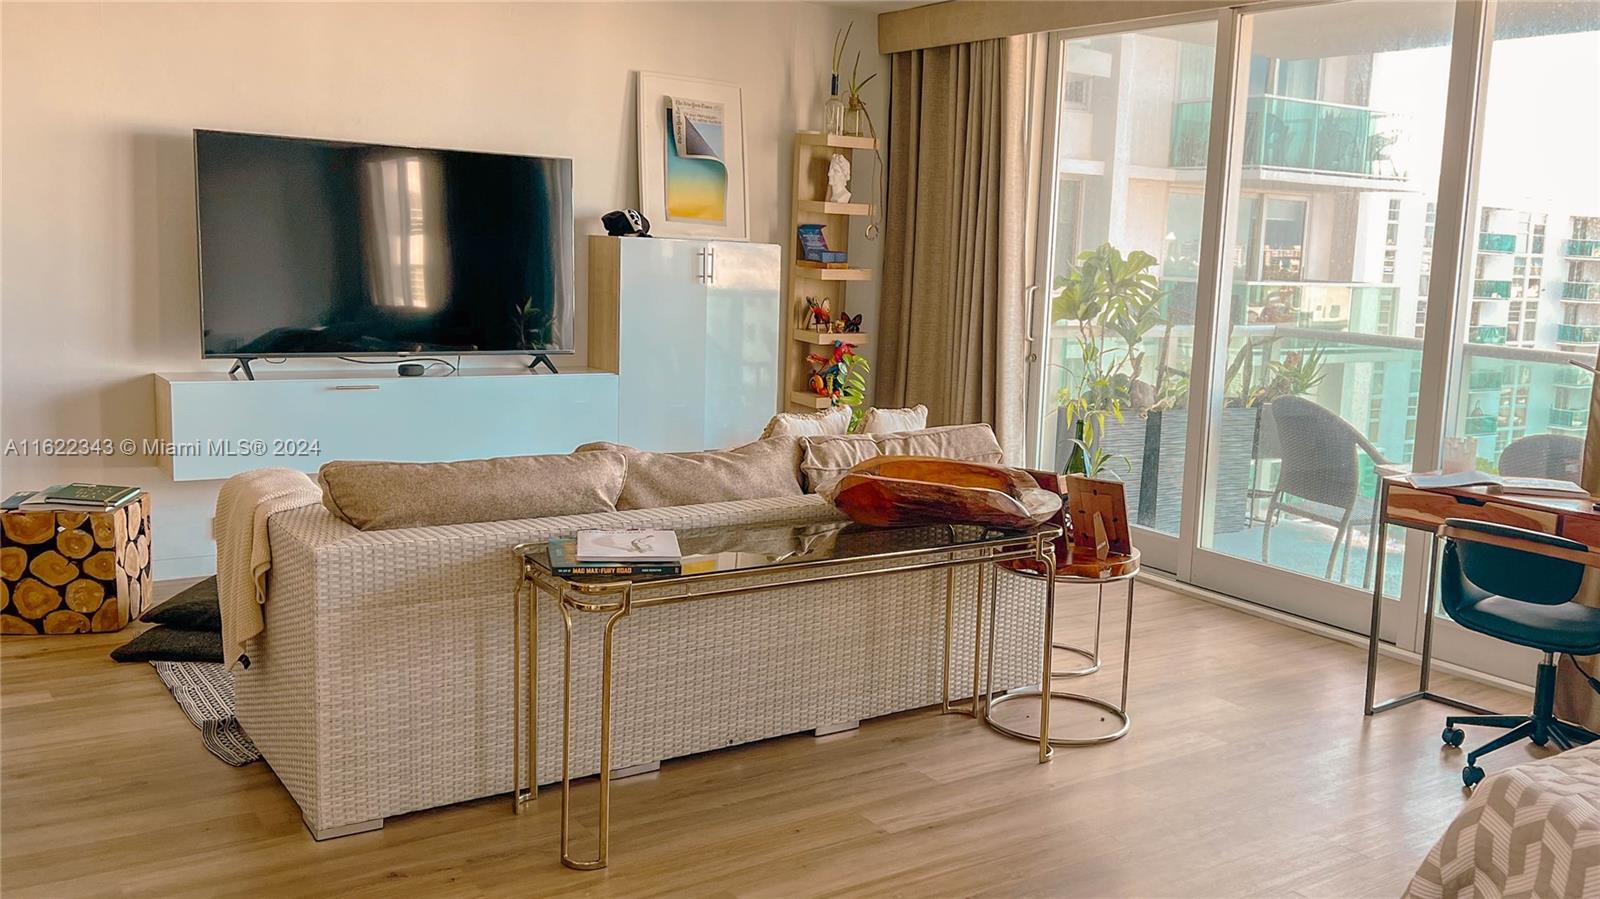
x,y
1421,509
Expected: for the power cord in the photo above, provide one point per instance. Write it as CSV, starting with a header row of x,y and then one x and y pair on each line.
x,y
431,360
1594,683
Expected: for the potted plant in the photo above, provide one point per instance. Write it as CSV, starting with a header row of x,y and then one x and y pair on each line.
x,y
1113,420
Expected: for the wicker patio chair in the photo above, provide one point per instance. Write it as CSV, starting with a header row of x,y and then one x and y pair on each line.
x,y
1319,478
1543,456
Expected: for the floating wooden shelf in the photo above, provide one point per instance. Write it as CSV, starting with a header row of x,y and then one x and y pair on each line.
x,y
823,207
837,141
827,338
810,400
833,274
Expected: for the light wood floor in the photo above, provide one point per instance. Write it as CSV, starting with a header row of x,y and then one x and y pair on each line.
x,y
1249,771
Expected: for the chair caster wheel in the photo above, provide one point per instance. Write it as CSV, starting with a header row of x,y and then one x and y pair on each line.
x,y
1471,775
1453,736
1538,740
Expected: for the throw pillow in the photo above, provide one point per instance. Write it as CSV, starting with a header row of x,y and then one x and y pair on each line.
x,y
192,609
377,496
969,443
833,420
170,644
890,421
826,459
758,470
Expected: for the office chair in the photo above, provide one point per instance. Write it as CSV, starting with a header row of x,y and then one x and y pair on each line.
x,y
1511,584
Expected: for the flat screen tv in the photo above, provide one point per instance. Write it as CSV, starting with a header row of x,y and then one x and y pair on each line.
x,y
329,248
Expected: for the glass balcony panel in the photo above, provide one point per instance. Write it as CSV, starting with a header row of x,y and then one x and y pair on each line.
x,y
1491,242
1575,290
1583,248
1578,334
1491,290
1291,133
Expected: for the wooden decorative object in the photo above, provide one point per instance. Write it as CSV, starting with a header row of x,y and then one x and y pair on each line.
x,y
1099,511
74,572
896,490
1086,562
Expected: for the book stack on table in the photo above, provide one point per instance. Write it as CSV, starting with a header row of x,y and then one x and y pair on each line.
x,y
70,497
616,553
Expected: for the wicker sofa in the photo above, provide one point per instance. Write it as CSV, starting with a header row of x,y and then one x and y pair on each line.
x,y
383,682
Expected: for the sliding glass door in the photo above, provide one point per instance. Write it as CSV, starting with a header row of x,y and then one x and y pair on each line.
x,y
1322,353
1243,270
1123,260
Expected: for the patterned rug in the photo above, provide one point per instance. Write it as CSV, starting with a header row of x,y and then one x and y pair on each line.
x,y
204,690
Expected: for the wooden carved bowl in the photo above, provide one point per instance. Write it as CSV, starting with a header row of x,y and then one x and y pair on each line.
x,y
886,491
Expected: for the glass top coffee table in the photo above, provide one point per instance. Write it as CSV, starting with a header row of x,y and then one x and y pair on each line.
x,y
731,560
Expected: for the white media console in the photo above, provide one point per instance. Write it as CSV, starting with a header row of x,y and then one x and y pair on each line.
x,y
219,427
684,334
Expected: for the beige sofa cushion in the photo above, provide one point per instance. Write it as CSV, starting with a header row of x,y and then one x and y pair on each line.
x,y
889,421
824,460
377,496
759,470
833,420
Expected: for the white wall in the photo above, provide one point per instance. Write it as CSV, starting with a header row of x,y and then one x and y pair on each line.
x,y
97,101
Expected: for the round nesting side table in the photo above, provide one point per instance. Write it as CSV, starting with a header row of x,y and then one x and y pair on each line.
x,y
1097,572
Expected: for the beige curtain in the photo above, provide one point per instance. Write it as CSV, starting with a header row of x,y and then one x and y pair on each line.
x,y
1575,700
958,235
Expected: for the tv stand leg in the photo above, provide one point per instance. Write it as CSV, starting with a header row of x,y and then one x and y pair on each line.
x,y
542,359
244,366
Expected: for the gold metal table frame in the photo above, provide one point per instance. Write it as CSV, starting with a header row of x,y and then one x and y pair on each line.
x,y
615,599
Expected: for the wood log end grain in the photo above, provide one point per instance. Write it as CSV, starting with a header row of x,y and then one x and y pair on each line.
x,y
53,568
13,562
66,621
34,599
102,565
75,543
11,624
85,595
110,617
28,527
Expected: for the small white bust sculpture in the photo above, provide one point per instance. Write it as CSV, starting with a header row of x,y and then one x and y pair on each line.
x,y
839,179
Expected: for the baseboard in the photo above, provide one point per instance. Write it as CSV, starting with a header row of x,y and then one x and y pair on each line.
x,y
1388,650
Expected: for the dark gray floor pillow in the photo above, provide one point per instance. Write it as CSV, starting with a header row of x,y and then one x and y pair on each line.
x,y
192,609
170,644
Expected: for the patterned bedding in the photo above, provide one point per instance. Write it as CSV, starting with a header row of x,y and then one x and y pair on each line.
x,y
1532,830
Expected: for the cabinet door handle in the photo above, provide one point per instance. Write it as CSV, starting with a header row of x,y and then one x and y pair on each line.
x,y
711,276
356,387
701,276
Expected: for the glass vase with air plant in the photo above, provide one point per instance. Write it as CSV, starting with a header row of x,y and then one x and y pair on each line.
x,y
857,123
833,108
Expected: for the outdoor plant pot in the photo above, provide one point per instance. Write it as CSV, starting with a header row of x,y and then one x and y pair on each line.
x,y
1155,447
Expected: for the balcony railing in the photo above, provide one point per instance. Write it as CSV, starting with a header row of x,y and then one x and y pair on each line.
x,y
1488,334
1481,425
1580,247
1578,290
1490,242
1491,290
1489,379
1303,135
1578,334
1569,418
1573,376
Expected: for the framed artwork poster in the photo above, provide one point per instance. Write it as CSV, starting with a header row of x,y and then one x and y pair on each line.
x,y
692,157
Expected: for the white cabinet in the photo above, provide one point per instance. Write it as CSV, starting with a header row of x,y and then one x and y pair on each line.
x,y
216,427
691,329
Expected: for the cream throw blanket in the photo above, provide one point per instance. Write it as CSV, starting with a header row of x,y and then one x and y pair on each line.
x,y
244,504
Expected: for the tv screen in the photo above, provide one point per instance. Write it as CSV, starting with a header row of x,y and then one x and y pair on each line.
x,y
327,248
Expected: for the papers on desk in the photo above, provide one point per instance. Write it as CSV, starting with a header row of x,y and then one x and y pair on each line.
x,y
1498,485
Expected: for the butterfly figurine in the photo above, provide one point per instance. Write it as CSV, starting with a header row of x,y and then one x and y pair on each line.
x,y
852,323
